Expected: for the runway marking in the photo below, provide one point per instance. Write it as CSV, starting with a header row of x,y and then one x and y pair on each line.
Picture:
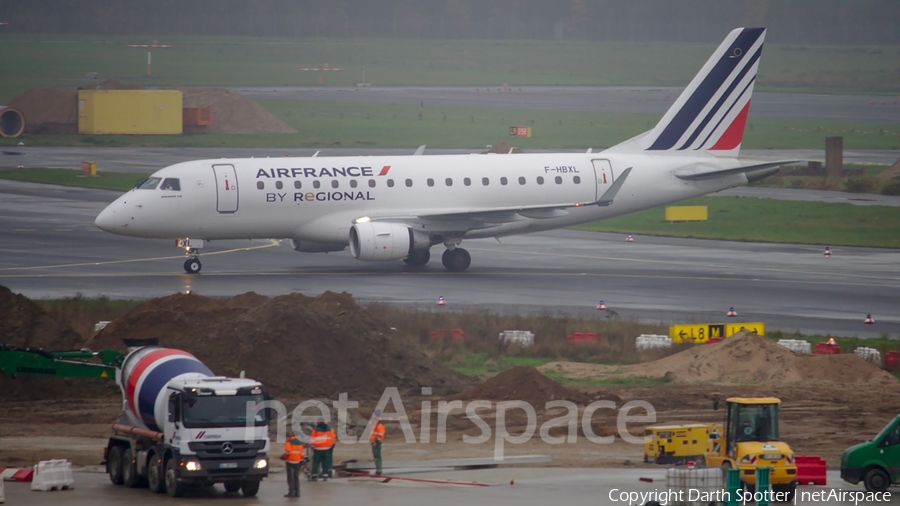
x,y
437,273
694,264
273,242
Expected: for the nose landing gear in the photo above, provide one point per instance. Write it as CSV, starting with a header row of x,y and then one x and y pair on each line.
x,y
192,249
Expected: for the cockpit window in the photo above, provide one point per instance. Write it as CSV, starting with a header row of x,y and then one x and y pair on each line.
x,y
148,184
171,184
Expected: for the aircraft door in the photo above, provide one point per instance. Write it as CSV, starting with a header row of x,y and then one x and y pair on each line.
x,y
603,175
226,188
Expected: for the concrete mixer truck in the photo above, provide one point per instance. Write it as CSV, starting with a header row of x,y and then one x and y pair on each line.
x,y
180,426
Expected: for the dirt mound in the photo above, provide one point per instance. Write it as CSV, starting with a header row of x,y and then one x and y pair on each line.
x,y
23,324
234,113
48,110
892,171
521,383
742,358
296,345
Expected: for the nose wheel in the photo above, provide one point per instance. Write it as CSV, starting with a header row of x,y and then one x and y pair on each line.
x,y
192,265
456,259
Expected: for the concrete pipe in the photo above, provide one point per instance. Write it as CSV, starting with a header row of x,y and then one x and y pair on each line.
x,y
12,123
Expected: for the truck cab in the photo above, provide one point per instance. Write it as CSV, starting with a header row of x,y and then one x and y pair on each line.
x,y
752,441
211,434
876,462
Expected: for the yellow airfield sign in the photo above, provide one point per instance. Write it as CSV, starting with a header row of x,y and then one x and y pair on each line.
x,y
702,332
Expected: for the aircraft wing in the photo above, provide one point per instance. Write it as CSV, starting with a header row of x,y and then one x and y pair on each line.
x,y
716,174
462,219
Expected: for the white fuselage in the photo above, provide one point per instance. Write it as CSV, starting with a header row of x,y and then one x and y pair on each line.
x,y
317,199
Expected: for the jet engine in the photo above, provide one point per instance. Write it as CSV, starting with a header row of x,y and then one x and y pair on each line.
x,y
386,241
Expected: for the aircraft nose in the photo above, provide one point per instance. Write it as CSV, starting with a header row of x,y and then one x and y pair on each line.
x,y
107,218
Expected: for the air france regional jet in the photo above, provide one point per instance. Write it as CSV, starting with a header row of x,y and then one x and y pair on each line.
x,y
398,207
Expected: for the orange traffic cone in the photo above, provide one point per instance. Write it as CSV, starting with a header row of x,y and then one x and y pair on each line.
x,y
732,312
827,252
441,301
601,306
629,238
868,320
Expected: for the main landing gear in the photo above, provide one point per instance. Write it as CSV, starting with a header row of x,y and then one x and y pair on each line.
x,y
456,259
418,258
192,249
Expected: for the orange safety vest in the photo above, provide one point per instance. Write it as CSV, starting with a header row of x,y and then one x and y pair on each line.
x,y
322,440
377,433
293,450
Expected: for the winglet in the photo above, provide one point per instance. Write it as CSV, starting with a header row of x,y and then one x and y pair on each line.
x,y
419,150
610,194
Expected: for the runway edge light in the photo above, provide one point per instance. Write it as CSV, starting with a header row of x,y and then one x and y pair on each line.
x,y
601,306
732,312
441,301
869,320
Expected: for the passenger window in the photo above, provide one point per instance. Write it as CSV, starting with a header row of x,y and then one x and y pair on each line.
x,y
409,183
298,185
353,183
371,183
260,185
540,180
467,182
334,183
521,180
503,181
558,179
577,179
448,182
148,184
430,182
390,183
171,184
485,181
279,185
317,184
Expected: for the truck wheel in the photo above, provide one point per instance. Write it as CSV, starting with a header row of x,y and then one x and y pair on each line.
x,y
250,488
232,486
155,479
877,480
173,488
130,476
114,465
789,489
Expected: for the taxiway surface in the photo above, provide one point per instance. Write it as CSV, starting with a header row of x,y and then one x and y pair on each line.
x,y
50,248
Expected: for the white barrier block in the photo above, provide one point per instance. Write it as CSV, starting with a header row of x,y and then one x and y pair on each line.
x,y
520,337
796,345
652,341
53,475
869,354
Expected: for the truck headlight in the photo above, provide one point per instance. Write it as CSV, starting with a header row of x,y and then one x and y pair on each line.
x,y
192,465
260,464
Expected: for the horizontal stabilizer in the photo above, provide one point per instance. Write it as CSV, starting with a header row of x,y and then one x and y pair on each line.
x,y
717,174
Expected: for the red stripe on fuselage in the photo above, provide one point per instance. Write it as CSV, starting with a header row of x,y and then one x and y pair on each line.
x,y
734,133
139,369
384,170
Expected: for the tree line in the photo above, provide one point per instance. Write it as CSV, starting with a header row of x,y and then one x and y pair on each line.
x,y
789,21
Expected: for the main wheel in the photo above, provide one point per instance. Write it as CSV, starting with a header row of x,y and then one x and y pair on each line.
x,y
232,486
155,480
876,480
130,477
114,465
456,259
418,258
250,488
173,488
192,265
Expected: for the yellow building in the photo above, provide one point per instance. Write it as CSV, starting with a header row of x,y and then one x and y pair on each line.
x,y
129,112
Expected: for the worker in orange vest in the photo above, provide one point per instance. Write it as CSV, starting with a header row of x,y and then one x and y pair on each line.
x,y
376,439
293,455
322,440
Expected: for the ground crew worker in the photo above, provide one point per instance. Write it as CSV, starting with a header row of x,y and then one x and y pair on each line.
x,y
376,439
322,440
293,455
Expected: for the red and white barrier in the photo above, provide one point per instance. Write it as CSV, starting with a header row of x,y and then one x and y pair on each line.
x,y
16,474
